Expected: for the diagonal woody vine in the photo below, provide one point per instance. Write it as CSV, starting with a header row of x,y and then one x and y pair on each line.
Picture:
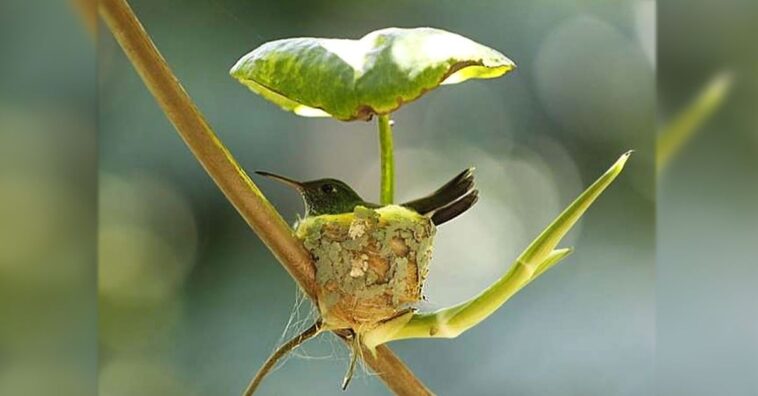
x,y
244,195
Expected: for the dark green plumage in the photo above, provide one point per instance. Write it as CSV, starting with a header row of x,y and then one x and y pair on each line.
x,y
332,196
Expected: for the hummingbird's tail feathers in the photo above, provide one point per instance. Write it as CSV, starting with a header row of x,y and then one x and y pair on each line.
x,y
452,191
452,211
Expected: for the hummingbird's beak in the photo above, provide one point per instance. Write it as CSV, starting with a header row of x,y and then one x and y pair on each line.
x,y
292,183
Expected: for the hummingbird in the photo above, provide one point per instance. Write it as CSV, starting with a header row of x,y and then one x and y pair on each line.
x,y
332,196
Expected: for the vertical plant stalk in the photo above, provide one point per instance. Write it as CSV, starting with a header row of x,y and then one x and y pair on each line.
x,y
386,155
252,205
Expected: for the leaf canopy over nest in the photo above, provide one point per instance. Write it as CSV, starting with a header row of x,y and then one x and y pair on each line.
x,y
357,79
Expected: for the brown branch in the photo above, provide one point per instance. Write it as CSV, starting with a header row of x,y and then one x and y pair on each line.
x,y
88,11
205,145
251,204
395,374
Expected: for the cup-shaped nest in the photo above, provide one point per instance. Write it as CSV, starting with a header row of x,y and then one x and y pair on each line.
x,y
370,264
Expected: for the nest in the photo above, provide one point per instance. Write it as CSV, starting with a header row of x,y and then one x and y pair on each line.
x,y
370,264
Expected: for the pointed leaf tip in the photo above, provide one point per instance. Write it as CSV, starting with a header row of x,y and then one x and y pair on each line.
x,y
621,162
539,257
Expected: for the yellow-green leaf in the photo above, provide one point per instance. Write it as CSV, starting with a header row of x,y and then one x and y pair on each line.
x,y
540,256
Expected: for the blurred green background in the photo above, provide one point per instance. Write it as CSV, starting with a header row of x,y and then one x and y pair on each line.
x,y
707,213
659,297
48,198
191,302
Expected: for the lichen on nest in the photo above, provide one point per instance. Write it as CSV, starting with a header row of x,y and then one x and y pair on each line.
x,y
371,264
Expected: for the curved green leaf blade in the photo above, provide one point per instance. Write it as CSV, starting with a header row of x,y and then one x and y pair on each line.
x,y
540,256
357,79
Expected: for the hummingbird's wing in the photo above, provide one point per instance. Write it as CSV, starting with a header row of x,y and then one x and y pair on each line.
x,y
456,190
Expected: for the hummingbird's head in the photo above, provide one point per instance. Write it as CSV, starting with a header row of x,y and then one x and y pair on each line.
x,y
322,196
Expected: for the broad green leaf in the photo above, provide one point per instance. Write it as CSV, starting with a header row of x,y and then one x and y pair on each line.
x,y
356,79
540,256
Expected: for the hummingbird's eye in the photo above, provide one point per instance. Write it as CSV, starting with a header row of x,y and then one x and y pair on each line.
x,y
328,188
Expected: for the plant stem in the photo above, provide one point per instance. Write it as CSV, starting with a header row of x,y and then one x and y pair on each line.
x,y
206,146
387,192
282,351
229,176
395,374
88,11
540,256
